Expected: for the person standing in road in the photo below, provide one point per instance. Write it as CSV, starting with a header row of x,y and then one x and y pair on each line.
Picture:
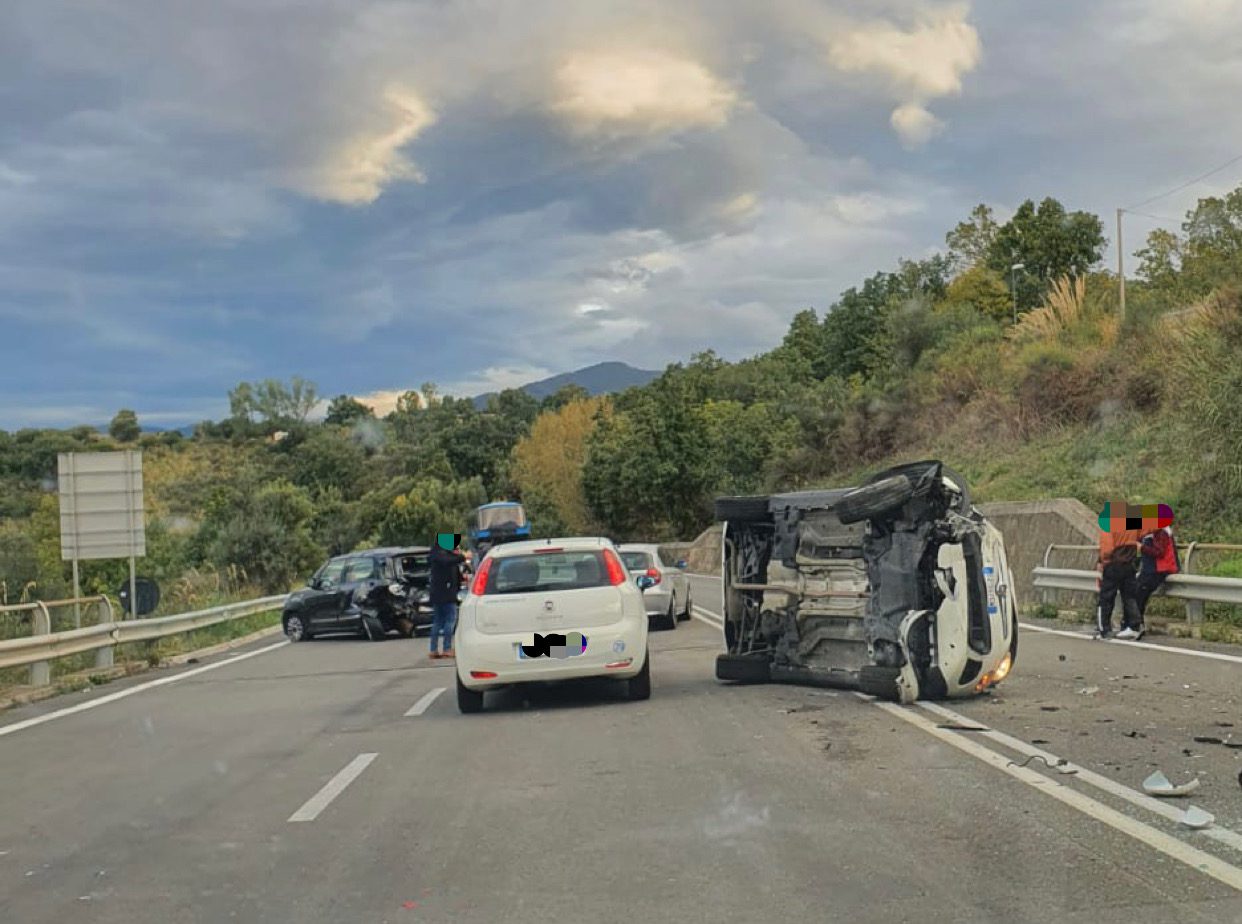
x,y
1159,560
1118,550
445,581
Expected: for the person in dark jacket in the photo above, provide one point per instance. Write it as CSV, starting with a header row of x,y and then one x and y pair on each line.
x,y
1118,549
1159,560
445,581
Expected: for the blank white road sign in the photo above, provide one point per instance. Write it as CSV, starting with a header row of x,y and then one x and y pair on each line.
x,y
101,505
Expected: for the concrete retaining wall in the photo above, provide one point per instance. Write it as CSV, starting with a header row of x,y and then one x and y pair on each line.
x,y
1028,526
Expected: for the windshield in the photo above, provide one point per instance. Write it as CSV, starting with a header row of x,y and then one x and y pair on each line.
x,y
636,561
510,516
547,571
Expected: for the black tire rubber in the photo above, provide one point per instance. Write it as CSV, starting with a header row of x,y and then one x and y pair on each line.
x,y
749,509
304,636
685,614
880,682
670,618
743,668
873,500
468,701
638,687
373,629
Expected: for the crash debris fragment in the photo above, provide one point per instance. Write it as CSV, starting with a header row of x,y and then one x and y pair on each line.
x,y
1195,817
1159,785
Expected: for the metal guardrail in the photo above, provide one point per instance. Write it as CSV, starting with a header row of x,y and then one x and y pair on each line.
x,y
1195,589
44,645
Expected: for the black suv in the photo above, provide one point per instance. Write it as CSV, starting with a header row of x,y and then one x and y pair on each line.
x,y
369,593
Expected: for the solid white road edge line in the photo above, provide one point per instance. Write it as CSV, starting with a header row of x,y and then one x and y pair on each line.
x,y
421,706
1169,812
1156,839
333,788
130,691
1214,655
706,616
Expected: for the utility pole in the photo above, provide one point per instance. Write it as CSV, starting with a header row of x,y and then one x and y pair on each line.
x,y
1121,270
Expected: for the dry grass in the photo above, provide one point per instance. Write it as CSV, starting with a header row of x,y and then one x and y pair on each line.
x,y
1062,309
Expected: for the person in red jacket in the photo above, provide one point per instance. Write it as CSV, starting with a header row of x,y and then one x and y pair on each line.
x,y
1159,560
1118,549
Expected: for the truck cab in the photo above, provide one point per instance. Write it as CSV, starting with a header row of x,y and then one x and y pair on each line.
x,y
497,522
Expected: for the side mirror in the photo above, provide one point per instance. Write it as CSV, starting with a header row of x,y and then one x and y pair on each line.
x,y
643,582
310,582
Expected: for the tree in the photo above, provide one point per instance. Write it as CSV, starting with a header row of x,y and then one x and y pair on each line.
x,y
268,536
563,396
273,402
430,506
1050,243
344,410
124,427
971,241
547,463
982,289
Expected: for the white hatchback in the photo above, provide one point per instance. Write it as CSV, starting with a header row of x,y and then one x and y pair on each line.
x,y
548,610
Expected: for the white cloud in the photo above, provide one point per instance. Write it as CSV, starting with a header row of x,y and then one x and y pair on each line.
x,y
918,64
356,171
914,125
639,92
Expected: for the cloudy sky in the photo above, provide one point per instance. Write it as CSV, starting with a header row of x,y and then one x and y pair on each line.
x,y
377,193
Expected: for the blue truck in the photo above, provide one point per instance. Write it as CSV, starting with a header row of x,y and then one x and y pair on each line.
x,y
497,522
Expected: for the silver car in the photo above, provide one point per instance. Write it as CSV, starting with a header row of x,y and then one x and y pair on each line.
x,y
668,595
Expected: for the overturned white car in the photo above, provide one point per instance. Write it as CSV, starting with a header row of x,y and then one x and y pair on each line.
x,y
898,588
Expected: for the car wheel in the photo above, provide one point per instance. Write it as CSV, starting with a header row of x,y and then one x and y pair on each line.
x,y
638,687
670,618
873,500
468,701
373,629
743,668
880,682
296,629
685,615
749,509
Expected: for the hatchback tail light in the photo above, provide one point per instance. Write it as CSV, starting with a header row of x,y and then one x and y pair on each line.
x,y
654,574
480,578
483,675
616,571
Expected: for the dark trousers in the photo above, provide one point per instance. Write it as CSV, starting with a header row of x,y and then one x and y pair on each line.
x,y
1118,577
1148,584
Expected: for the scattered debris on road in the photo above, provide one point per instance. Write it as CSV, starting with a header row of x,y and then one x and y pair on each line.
x,y
1134,734
1207,739
953,726
1159,785
1050,708
1061,766
1089,691
1195,817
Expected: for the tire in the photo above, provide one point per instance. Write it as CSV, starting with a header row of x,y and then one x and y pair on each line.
x,y
670,618
750,509
873,500
373,629
638,687
685,614
880,682
468,701
743,668
296,628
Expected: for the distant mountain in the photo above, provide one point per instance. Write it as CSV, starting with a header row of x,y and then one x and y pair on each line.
x,y
600,379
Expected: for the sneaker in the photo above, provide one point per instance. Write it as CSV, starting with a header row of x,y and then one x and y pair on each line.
x,y
1106,634
435,655
449,654
1139,633
1128,634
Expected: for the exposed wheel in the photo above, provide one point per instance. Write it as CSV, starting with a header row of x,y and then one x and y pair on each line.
x,y
685,614
749,509
373,629
296,629
468,701
670,618
874,500
638,687
743,668
880,682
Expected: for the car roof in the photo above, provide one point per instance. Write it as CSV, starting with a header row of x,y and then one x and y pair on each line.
x,y
652,547
387,552
569,543
500,504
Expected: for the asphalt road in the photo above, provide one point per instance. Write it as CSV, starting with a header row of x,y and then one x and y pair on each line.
x,y
329,781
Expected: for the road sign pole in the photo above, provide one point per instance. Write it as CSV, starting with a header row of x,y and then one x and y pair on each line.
x,y
77,595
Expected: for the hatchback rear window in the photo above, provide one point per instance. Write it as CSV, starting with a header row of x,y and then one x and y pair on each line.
x,y
547,571
636,561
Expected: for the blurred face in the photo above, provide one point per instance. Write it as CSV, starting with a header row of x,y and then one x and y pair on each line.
x,y
448,541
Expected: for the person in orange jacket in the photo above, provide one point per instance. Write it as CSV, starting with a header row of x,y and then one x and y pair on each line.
x,y
1118,551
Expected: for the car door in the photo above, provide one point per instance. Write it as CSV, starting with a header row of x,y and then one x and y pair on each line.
x,y
358,571
327,584
676,579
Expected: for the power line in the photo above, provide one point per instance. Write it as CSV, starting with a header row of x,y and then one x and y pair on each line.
x,y
1188,183
1155,217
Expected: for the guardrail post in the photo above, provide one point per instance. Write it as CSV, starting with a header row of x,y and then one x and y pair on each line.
x,y
41,623
1194,608
104,656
